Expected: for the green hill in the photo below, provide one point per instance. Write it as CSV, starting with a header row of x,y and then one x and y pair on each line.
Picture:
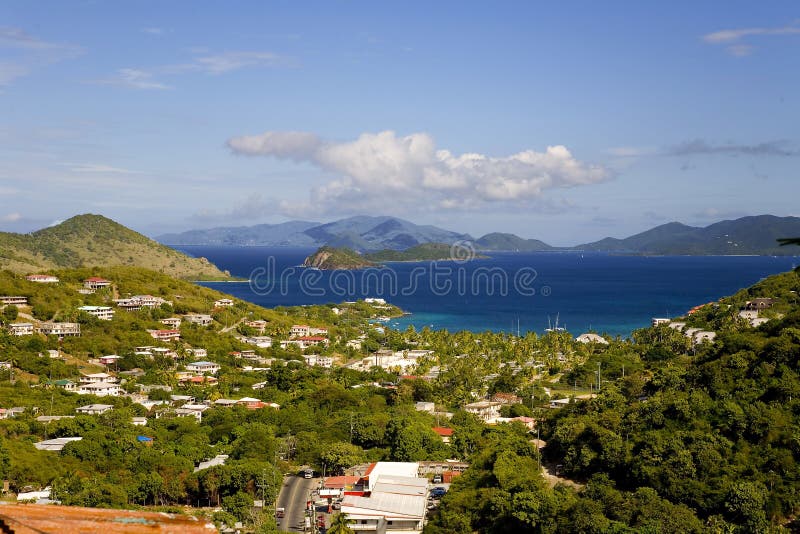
x,y
331,258
510,242
94,240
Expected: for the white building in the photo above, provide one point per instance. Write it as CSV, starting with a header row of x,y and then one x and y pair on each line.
x,y
106,313
137,302
223,303
192,410
591,338
101,389
94,409
56,444
165,335
300,330
95,378
315,360
172,322
488,411
60,329
20,329
202,368
198,352
14,301
94,283
659,321
42,278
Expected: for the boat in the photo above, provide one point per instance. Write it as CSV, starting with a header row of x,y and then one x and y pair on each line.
x,y
554,328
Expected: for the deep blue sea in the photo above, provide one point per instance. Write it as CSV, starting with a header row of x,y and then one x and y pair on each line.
x,y
611,294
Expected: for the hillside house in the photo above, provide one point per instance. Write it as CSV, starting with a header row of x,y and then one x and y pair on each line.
x,y
60,329
165,335
223,303
202,319
445,433
101,389
759,304
94,409
258,325
487,411
137,302
172,322
65,384
202,368
591,338
42,278
20,329
300,330
94,283
105,313
95,378
14,301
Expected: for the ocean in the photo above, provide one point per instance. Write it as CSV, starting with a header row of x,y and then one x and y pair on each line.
x,y
508,291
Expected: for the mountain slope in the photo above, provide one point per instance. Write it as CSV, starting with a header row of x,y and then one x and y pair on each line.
x,y
94,240
329,258
501,241
360,233
747,235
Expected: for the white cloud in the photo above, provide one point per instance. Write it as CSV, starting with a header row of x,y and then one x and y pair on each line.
x,y
24,53
134,79
383,167
733,39
11,217
154,31
215,64
99,168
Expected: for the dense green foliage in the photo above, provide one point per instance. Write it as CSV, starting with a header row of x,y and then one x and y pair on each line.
x,y
337,258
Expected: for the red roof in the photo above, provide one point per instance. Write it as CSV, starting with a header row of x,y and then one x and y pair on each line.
x,y
95,279
312,338
341,482
444,432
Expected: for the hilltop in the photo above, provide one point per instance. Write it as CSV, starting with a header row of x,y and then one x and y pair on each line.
x,y
93,240
331,258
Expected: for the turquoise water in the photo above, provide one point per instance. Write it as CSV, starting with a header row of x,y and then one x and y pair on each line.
x,y
611,294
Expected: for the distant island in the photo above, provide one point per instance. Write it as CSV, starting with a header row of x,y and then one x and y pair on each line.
x,y
754,235
96,241
331,258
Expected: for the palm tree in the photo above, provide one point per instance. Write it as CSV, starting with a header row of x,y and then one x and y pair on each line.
x,y
340,524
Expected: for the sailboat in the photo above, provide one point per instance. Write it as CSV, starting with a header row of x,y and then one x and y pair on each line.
x,y
554,328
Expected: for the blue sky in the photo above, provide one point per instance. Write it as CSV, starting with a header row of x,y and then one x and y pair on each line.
x,y
564,121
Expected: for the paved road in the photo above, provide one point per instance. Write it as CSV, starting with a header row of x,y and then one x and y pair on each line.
x,y
293,497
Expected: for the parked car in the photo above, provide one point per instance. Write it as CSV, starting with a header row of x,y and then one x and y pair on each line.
x,y
307,473
438,491
279,513
437,479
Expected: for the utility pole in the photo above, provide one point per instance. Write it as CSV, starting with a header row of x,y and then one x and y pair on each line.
x,y
598,377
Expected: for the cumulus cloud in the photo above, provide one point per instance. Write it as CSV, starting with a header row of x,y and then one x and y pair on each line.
x,y
768,148
733,39
411,169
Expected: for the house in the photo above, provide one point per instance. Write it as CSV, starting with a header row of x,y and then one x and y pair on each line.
x,y
591,338
65,384
53,354
203,367
201,319
300,330
20,329
172,322
198,352
165,335
60,329
137,302
506,398
199,381
759,304
50,418
312,331
42,278
310,341
223,303
95,378
109,359
656,321
444,433
94,283
315,360
138,421
14,301
703,335
375,301
258,324
5,366
217,460
488,411
677,325
252,404
56,444
101,389
263,342
94,409
105,313
429,407
559,403
192,410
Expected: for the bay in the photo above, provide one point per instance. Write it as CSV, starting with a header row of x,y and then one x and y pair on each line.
x,y
529,291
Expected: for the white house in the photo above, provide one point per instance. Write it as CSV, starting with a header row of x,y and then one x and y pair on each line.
x,y
172,322
106,313
60,329
192,410
488,411
42,278
101,389
95,378
165,335
223,303
591,338
14,301
20,329
55,444
318,361
94,409
655,321
202,368
300,330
